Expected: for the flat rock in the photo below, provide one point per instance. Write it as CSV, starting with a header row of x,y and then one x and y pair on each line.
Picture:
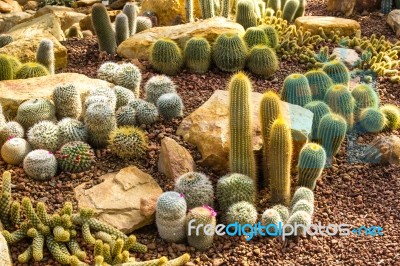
x,y
346,7
5,258
346,27
174,159
14,92
393,20
138,45
123,199
384,150
66,15
7,21
348,56
208,128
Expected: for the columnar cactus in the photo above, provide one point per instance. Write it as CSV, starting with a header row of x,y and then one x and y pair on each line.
x,y
103,29
386,6
242,212
200,216
170,216
189,10
5,198
107,71
241,156
6,71
341,102
270,218
11,129
372,120
130,10
67,101
245,14
128,136
197,55
31,70
170,105
166,57
70,129
319,83
197,189
5,39
225,8
319,109
337,71
300,10
255,36
157,86
290,9
312,161
365,97
123,95
35,110
40,165
262,61
121,28
14,150
45,55
44,135
143,23
296,90
272,36
129,76
392,115
126,116
146,113
229,52
75,157
207,8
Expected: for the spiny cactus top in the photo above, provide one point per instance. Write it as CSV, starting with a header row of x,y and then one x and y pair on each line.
x,y
107,71
32,111
31,70
45,54
128,136
158,85
171,205
129,76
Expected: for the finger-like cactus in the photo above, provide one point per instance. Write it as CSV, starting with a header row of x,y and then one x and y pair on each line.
x,y
319,83
70,129
102,27
67,101
200,216
6,70
392,115
229,52
121,28
130,10
290,9
341,102
45,55
262,61
319,109
44,135
75,157
197,55
242,212
312,161
129,76
14,150
372,120
170,105
365,97
337,71
157,86
296,90
31,70
128,136
34,111
40,165
166,57
245,14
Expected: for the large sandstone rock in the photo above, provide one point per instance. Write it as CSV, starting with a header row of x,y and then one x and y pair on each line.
x,y
346,27
5,7
383,150
5,258
138,45
83,3
66,15
208,128
14,92
7,21
123,199
174,159
393,20
346,7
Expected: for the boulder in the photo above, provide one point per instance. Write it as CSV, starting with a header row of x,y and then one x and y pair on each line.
x,y
14,92
83,3
7,21
346,27
174,159
5,7
346,7
66,15
16,6
86,22
5,258
138,45
348,56
125,200
393,20
383,150
31,6
208,128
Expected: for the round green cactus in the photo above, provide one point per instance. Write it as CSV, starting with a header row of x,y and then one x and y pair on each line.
x,y
75,157
299,220
166,57
67,101
283,211
129,76
302,193
262,61
11,129
103,29
35,110
14,150
44,135
229,52
200,216
170,105
197,189
319,109
290,9
255,36
102,91
45,55
341,102
312,160
40,165
15,63
303,205
71,130
73,32
121,28
6,70
146,113
107,71
365,97
372,120
31,70
296,90
337,71
143,23
271,217
5,39
126,116
319,83
242,212
157,86
130,10
392,115
128,136
245,14
197,55
272,36
123,95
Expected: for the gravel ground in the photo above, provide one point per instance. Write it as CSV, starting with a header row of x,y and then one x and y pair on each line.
x,y
356,194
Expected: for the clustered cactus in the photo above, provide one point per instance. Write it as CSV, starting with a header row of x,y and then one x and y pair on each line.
x,y
128,142
35,110
44,135
67,101
103,29
170,105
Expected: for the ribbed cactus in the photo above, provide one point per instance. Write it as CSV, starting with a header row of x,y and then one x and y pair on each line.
x,y
200,216
242,212
283,211
146,113
121,28
157,86
372,120
128,136
365,97
9,130
303,205
272,36
189,7
302,193
143,23
40,165
296,219
197,189
255,36
75,157
44,135
340,101
312,161
225,8
123,95
241,156
107,71
300,10
15,63
296,90
338,72
275,5
45,55
14,150
126,116
130,10
182,260
170,105
244,187
67,101
271,217
103,29
392,115
129,76
245,14
319,109
262,61
207,8
35,110
319,83
331,133
290,9
170,216
229,52
6,70
70,129
197,55
5,39
386,6
31,70
166,57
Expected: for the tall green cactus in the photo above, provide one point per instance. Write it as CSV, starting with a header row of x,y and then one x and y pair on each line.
x,y
312,160
340,100
102,27
319,109
166,56
189,11
275,5
229,52
386,6
272,36
245,14
207,8
45,55
121,28
130,10
241,156
290,9
225,8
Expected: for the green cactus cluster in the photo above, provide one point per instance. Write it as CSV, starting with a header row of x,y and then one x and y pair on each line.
x,y
166,57
157,86
340,101
126,116
75,157
245,14
319,109
129,76
103,29
14,150
128,136
130,10
229,52
203,215
170,105
296,90
197,55
35,110
372,120
45,55
242,212
5,39
312,161
143,23
123,95
44,135
392,115
67,101
262,60
31,70
9,130
319,83
40,164
107,71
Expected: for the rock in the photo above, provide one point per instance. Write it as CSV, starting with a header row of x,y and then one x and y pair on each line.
x,y
384,150
174,159
5,7
346,7
348,56
346,27
86,22
117,201
5,258
138,45
83,3
22,2
119,4
16,6
25,49
393,20
7,21
14,92
208,128
66,15
369,5
31,5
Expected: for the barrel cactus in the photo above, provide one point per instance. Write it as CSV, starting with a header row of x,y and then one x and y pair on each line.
x,y
67,101
365,96
295,220
255,36
312,161
71,130
6,72
31,70
302,193
272,36
45,55
319,83
296,90
271,218
262,61
319,109
15,150
170,105
102,91
245,14
166,57
146,113
372,120
392,115
107,71
126,116
143,23
337,71
35,110
283,211
128,136
5,39
157,86
11,129
197,55
340,101
129,76
303,205
40,165
75,157
44,135
229,52
200,216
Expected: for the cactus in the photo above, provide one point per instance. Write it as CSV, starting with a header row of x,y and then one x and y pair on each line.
x,y
200,216
70,129
197,55
123,95
15,63
45,55
130,10
146,113
245,14
271,217
73,32
275,5
103,30
128,76
197,189
341,102
6,70
302,193
299,221
44,135
11,129
107,71
166,57
67,101
189,6
241,156
40,165
143,23
75,157
126,116
35,110
5,39
31,70
225,8
170,216
372,120
121,28
128,136
207,8
392,115
14,150
272,36
242,212
364,96
244,187
312,160
386,6
179,261
5,201
300,10
283,211
157,86
170,105
296,90
319,83
255,36
102,91
303,205
290,9
229,52
337,71
262,61
319,109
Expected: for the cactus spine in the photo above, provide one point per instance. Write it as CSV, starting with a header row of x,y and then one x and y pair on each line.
x,y
201,215
130,10
198,55
121,28
71,130
166,57
229,52
312,160
45,55
245,14
102,27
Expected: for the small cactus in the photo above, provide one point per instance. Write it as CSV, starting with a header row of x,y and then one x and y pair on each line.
x,y
130,10
157,86
283,211
229,52
146,113
128,136
166,57
242,212
245,14
392,115
312,160
73,32
129,76
170,105
35,110
338,72
341,102
45,55
14,150
365,97
5,39
302,193
143,23
262,61
303,205
126,116
123,95
271,217
67,101
296,90
6,70
299,220
319,109
31,70
11,129
121,28
44,135
107,71
15,63
372,120
255,36
102,27
200,216
70,129
319,83
75,157
40,165
197,55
